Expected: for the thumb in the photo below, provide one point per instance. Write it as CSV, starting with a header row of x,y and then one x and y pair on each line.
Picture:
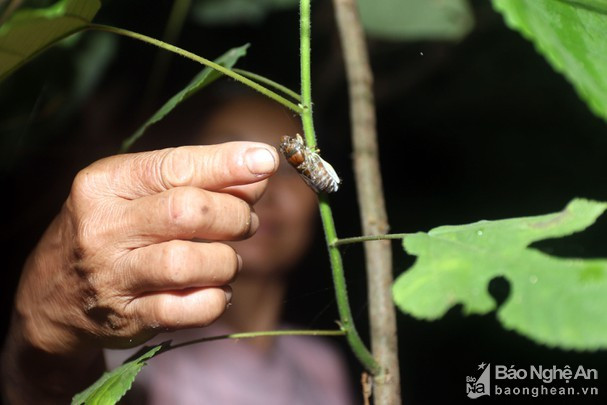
x,y
210,167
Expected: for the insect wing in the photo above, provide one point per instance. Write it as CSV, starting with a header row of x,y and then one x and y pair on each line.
x,y
310,182
320,174
335,181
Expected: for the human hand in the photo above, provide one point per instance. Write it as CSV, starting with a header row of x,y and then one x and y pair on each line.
x,y
121,262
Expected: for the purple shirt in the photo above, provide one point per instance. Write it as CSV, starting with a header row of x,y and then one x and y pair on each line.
x,y
296,370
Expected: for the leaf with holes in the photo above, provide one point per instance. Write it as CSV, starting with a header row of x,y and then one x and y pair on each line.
x,y
114,384
571,36
31,31
556,301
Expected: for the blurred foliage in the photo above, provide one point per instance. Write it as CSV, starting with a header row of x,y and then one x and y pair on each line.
x,y
56,86
554,301
410,20
234,12
51,90
571,35
401,20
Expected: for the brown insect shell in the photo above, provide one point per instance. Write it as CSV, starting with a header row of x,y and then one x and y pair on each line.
x,y
292,150
297,158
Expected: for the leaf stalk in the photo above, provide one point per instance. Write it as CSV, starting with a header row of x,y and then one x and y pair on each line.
x,y
250,335
186,54
367,238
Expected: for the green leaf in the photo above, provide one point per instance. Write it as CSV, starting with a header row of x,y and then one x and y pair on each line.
x,y
416,19
571,36
30,31
114,384
556,301
203,79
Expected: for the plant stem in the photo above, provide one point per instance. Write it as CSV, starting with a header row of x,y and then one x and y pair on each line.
x,y
268,82
341,291
249,335
339,279
306,77
135,35
358,239
378,255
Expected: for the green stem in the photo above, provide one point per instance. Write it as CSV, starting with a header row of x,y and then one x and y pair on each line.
x,y
339,279
306,80
358,239
248,82
268,82
341,291
249,335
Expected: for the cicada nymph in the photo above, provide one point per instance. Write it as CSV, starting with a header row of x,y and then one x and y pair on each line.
x,y
315,171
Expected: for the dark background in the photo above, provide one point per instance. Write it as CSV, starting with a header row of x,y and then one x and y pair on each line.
x,y
480,129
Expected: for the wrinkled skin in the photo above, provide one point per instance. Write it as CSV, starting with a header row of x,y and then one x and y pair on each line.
x,y
123,260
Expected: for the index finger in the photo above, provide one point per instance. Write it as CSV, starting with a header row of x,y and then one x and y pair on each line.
x,y
211,167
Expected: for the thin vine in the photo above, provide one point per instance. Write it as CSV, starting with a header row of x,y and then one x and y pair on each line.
x,y
250,335
268,82
244,80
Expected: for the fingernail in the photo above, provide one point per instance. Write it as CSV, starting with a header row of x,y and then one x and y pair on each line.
x,y
254,223
239,258
260,161
228,291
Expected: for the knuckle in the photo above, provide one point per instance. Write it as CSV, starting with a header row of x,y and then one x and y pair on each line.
x,y
182,203
243,215
94,180
82,191
175,262
86,211
216,166
163,313
177,167
81,185
85,240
